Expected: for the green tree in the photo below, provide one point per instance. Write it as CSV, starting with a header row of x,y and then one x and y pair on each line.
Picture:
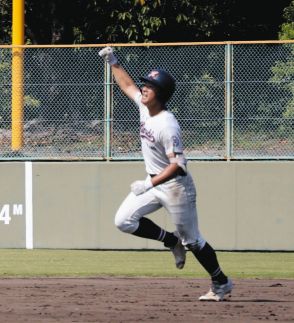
x,y
5,18
283,75
93,21
287,28
283,71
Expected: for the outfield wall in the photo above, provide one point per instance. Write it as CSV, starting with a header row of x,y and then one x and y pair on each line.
x,y
241,205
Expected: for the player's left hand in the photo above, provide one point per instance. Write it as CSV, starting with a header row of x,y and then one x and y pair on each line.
x,y
140,187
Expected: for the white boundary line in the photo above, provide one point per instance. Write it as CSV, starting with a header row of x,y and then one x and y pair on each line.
x,y
29,204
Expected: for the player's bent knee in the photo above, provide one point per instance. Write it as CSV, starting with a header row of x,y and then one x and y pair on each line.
x,y
125,225
197,245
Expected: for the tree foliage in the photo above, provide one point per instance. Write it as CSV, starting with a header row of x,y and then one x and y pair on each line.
x,y
5,17
283,71
287,28
110,21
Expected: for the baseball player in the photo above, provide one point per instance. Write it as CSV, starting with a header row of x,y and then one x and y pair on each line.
x,y
168,183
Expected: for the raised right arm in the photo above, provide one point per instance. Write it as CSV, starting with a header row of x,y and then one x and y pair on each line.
x,y
124,81
122,78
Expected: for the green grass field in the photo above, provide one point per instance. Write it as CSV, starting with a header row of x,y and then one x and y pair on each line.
x,y
88,263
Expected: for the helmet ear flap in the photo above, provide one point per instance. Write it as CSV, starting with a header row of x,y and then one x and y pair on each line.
x,y
160,94
163,81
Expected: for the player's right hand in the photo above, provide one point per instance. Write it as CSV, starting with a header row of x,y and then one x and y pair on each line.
x,y
107,54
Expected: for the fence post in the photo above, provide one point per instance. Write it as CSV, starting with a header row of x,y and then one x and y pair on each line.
x,y
17,78
229,100
108,105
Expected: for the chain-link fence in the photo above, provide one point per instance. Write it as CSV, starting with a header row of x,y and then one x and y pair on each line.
x,y
64,107
232,101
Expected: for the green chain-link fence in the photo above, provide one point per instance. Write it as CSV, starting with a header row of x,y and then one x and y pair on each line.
x,y
233,100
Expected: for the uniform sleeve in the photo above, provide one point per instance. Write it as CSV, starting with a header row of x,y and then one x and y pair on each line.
x,y
172,140
137,98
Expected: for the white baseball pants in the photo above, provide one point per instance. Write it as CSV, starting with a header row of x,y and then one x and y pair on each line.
x,y
177,196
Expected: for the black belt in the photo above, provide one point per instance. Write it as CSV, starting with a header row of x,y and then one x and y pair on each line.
x,y
179,173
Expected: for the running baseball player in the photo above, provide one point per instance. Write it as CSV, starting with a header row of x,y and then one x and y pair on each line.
x,y
168,183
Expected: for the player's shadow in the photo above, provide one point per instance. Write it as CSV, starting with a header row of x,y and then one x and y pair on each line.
x,y
258,301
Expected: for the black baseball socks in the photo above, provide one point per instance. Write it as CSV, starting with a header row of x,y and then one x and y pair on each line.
x,y
148,229
207,258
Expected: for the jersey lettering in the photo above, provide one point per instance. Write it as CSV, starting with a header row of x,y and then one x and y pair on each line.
x,y
147,134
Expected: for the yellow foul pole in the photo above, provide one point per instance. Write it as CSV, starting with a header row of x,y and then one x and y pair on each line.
x,y
17,75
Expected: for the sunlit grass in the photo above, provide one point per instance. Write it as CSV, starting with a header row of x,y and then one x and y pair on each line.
x,y
88,263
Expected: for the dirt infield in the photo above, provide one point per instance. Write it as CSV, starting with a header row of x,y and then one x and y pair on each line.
x,y
108,299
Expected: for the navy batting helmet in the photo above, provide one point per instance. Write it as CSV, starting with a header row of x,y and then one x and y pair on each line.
x,y
163,81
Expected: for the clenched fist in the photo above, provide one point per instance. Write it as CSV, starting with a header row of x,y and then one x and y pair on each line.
x,y
107,54
140,187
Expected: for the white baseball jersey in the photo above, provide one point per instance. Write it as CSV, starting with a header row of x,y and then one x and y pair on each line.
x,y
160,136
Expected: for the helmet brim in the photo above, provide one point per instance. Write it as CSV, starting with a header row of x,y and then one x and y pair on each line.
x,y
150,81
